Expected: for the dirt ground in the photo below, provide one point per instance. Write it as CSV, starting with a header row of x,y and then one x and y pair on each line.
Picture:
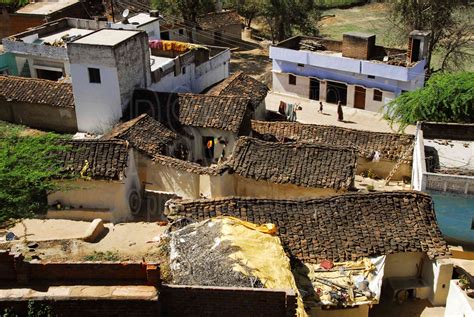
x,y
58,240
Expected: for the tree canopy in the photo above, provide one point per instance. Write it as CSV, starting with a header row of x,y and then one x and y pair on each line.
x,y
451,28
447,97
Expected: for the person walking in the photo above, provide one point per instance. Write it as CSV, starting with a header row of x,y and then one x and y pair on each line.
x,y
320,107
340,114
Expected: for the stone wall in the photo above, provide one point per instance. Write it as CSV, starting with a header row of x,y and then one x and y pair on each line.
x,y
218,301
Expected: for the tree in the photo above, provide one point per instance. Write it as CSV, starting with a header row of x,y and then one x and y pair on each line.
x,y
443,18
189,10
249,9
284,17
447,97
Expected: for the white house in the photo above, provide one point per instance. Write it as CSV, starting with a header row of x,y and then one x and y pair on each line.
x,y
106,66
355,71
100,181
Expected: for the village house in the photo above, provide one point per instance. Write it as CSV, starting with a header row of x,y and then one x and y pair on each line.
x,y
223,28
106,64
378,152
38,103
210,124
219,28
290,170
100,180
396,231
354,71
38,12
241,85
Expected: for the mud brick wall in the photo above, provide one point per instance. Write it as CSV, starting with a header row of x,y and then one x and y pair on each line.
x,y
13,267
81,308
224,301
360,47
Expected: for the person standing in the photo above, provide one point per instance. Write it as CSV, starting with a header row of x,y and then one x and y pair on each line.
x,y
340,114
320,107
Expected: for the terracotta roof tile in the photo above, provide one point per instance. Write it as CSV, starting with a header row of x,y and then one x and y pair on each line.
x,y
145,134
187,166
36,91
301,164
390,145
107,159
219,112
242,85
339,228
216,20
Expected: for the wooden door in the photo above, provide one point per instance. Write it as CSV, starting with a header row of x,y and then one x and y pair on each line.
x,y
359,97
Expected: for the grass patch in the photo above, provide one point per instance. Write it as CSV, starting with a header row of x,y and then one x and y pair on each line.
x,y
99,256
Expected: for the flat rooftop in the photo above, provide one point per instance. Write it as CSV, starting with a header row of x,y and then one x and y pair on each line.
x,y
69,33
140,19
45,8
108,37
158,61
454,156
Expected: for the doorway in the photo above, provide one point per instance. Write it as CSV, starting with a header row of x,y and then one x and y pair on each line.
x,y
313,89
336,92
359,97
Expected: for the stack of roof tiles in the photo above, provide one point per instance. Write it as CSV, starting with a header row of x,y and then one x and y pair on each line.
x,y
301,164
391,146
105,160
36,91
240,84
340,228
219,112
145,134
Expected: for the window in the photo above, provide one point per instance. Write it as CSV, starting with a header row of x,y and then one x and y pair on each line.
x,y
300,65
94,75
371,77
292,79
181,31
377,95
183,70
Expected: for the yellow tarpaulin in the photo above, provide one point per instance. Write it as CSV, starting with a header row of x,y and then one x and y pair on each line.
x,y
262,254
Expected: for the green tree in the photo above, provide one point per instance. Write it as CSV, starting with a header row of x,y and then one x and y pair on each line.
x,y
27,166
447,97
189,10
450,28
285,17
249,9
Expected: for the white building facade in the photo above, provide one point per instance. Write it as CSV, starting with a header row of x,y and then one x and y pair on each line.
x,y
354,71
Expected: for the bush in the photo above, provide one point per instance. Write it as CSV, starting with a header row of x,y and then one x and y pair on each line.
x,y
445,98
27,168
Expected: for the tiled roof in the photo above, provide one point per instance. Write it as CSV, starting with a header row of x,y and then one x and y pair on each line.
x,y
390,145
106,159
219,112
145,134
302,164
216,20
37,91
339,228
242,85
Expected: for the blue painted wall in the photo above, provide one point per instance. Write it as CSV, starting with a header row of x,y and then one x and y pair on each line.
x,y
7,61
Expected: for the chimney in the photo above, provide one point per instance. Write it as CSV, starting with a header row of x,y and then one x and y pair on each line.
x,y
358,45
417,45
